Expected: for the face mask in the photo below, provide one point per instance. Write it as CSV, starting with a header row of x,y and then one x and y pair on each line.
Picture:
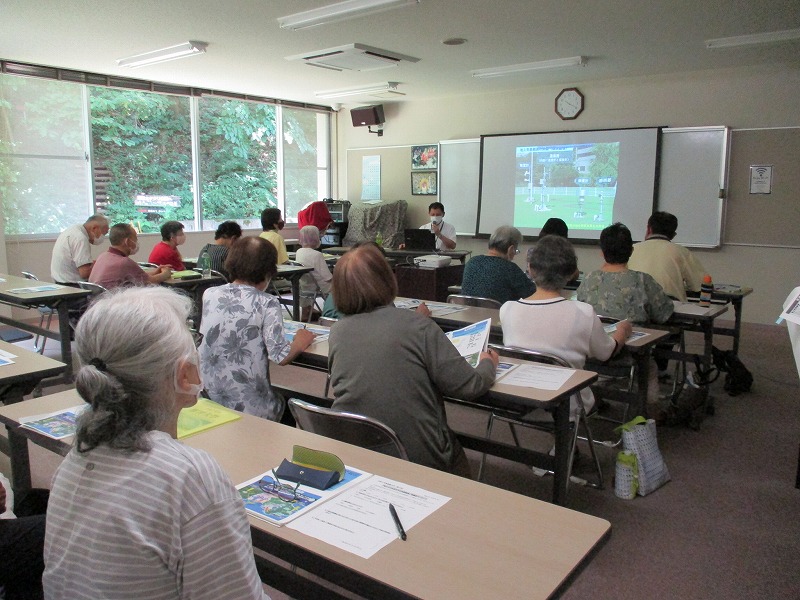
x,y
280,225
135,248
437,220
194,389
99,240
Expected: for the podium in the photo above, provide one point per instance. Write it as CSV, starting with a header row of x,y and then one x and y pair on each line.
x,y
425,283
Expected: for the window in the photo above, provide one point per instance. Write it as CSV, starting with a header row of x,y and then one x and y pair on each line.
x,y
238,157
305,159
142,155
44,168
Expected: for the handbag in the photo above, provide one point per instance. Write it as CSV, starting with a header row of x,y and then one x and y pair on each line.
x,y
639,437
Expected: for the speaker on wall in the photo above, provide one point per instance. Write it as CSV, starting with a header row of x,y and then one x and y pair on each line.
x,y
367,115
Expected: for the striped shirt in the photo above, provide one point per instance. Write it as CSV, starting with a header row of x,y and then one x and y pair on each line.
x,y
147,526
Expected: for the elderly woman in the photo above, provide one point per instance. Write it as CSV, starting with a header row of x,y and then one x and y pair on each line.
x,y
166,251
227,233
395,365
242,330
320,277
133,512
547,322
615,291
495,275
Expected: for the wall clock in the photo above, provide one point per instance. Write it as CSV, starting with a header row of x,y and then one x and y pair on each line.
x,y
569,103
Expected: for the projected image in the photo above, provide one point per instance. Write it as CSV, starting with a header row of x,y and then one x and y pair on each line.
x,y
574,182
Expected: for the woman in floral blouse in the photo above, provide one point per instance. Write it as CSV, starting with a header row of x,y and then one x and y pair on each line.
x,y
242,329
616,291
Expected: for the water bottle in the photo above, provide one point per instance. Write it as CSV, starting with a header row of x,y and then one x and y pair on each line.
x,y
706,288
204,263
379,239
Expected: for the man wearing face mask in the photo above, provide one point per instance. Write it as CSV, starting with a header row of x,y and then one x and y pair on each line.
x,y
114,267
72,254
445,233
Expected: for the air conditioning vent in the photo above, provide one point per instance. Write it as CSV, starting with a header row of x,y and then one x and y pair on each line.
x,y
353,57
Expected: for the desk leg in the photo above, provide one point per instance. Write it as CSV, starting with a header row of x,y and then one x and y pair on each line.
x,y
737,323
642,380
295,298
20,461
563,439
66,344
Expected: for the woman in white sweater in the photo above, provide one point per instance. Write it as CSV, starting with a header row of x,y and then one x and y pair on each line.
x,y
320,277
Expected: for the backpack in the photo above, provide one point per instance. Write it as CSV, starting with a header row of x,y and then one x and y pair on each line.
x,y
738,378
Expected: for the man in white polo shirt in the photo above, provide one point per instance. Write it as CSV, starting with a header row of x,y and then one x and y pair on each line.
x,y
445,233
72,254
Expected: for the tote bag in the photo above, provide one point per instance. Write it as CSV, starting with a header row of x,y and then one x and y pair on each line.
x,y
639,437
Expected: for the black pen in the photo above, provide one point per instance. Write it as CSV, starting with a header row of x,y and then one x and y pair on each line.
x,y
400,531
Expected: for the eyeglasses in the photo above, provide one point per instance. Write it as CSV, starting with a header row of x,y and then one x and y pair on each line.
x,y
284,491
516,251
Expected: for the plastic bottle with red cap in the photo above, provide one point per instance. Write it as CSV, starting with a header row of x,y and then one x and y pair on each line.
x,y
706,289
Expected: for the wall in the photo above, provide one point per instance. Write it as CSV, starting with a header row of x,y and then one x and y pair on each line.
x,y
732,97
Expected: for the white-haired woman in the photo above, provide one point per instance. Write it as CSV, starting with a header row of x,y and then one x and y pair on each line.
x,y
321,277
133,512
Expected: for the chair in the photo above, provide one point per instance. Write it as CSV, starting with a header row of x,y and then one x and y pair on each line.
x,y
473,301
45,312
95,288
147,265
358,430
516,418
213,273
327,321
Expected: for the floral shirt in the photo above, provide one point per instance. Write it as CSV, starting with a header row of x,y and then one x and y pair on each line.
x,y
242,330
628,295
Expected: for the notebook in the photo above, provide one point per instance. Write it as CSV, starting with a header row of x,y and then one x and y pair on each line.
x,y
420,239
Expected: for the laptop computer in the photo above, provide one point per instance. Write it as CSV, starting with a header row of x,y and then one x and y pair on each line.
x,y
420,239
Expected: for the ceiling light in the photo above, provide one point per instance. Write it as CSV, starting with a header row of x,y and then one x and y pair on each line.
x,y
558,63
753,39
349,9
158,56
365,90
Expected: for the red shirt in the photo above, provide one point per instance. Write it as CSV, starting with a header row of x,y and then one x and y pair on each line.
x,y
164,254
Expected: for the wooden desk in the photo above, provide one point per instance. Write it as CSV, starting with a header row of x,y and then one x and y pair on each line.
x,y
195,288
484,543
16,381
499,395
60,300
408,256
292,274
425,283
735,295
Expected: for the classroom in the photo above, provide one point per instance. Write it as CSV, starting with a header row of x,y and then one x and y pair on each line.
x,y
643,66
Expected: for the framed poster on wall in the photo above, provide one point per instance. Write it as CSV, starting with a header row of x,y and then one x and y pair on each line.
x,y
424,184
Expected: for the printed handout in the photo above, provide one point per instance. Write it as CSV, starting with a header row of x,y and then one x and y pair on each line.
x,y
542,377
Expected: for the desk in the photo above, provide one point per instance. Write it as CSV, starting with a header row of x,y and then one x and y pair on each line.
x,y
60,300
408,256
195,288
427,284
483,543
292,274
17,380
735,295
499,395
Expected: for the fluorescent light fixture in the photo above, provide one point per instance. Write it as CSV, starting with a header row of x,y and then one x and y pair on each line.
x,y
557,63
365,90
769,37
349,9
164,54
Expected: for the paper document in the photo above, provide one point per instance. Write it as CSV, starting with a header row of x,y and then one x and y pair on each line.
x,y
502,369
470,341
56,425
791,307
635,335
262,499
690,308
438,309
8,355
5,361
38,289
291,327
543,377
202,416
359,520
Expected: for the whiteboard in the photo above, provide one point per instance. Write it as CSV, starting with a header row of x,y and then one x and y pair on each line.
x,y
692,170
459,172
693,173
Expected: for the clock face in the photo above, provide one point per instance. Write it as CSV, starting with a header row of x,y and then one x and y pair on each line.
x,y
569,103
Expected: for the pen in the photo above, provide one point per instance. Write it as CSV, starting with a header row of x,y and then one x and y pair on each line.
x,y
400,531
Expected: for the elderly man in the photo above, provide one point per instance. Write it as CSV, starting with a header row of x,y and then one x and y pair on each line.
x,y
672,266
114,267
72,254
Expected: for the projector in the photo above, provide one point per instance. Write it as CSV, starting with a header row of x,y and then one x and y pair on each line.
x,y
432,261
